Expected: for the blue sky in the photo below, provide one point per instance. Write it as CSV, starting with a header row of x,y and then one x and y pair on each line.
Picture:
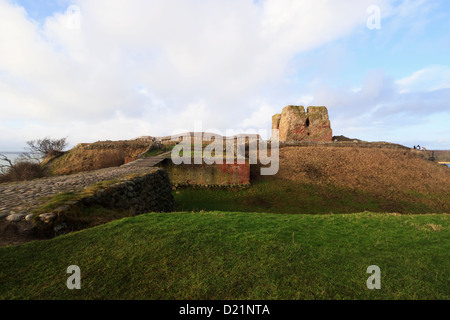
x,y
114,70
40,10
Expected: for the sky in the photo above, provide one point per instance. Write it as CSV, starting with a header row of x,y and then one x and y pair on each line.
x,y
96,70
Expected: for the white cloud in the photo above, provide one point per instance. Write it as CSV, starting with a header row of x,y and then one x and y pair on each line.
x,y
150,67
305,100
384,109
428,79
261,118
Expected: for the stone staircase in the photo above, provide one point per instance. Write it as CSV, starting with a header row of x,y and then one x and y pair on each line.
x,y
147,162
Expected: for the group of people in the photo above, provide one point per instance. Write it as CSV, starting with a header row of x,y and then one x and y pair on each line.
x,y
419,148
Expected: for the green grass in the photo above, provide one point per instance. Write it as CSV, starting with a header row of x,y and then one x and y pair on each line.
x,y
157,152
218,255
55,201
283,196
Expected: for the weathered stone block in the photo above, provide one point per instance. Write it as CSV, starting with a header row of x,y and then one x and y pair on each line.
x,y
15,217
47,217
276,121
295,124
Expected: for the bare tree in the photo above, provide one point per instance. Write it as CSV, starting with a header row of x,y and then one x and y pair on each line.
x,y
39,149
4,167
28,165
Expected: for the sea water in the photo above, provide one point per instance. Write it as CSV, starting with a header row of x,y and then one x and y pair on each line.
x,y
10,155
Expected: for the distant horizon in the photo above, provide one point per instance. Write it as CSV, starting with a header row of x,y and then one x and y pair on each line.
x,y
11,152
71,146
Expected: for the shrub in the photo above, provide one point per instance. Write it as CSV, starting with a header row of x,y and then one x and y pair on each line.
x,y
21,171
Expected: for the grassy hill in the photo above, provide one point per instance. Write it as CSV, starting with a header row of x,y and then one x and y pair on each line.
x,y
217,255
324,180
98,155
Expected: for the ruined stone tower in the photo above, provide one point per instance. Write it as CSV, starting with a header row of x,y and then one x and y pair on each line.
x,y
297,125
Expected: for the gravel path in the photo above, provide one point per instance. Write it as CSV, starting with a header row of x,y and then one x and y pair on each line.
x,y
19,198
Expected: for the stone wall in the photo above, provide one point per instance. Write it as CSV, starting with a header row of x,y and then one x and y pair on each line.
x,y
215,175
441,155
352,144
294,124
149,191
428,155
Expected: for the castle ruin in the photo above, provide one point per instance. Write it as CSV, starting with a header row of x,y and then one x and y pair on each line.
x,y
295,124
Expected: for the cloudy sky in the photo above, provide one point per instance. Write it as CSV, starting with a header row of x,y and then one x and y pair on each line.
x,y
96,70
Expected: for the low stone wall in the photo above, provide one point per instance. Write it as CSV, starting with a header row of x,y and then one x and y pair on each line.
x,y
441,155
203,175
344,144
428,155
145,192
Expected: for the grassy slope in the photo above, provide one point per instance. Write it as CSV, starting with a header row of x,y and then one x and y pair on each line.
x,y
280,197
87,157
238,256
335,180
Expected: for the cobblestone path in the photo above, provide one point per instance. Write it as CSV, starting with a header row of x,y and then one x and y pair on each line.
x,y
19,198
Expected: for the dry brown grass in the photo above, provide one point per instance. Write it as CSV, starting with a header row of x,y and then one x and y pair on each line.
x,y
99,155
388,173
377,170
